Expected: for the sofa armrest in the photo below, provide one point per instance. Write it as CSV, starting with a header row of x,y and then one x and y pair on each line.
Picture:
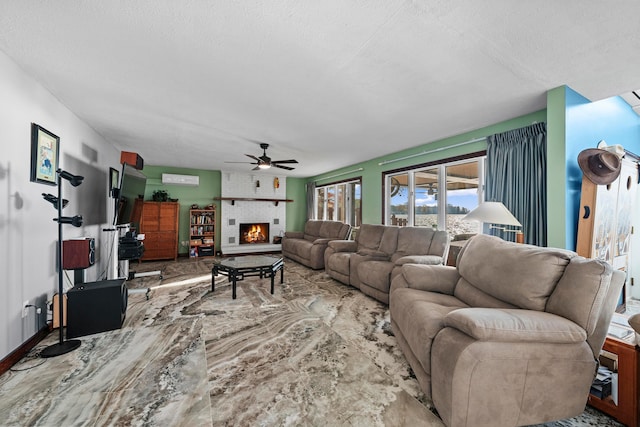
x,y
429,278
419,259
322,241
343,245
515,325
294,234
373,254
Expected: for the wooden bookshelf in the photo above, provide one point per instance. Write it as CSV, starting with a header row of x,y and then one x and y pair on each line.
x,y
202,232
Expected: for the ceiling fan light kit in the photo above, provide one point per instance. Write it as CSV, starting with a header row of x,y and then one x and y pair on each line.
x,y
264,162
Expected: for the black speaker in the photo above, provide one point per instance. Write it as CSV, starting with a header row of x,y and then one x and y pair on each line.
x,y
96,307
78,253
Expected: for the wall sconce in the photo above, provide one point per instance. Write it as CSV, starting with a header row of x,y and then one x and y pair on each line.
x,y
496,213
258,184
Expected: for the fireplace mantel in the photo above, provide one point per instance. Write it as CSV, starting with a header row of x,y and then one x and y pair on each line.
x,y
249,199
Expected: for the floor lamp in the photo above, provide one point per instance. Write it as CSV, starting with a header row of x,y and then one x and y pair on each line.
x,y
62,346
496,213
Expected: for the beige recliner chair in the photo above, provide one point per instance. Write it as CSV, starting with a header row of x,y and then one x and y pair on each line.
x,y
510,336
379,251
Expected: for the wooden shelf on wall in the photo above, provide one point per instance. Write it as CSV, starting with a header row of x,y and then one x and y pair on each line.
x,y
249,199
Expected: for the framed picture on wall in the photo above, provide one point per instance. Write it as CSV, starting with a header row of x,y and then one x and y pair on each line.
x,y
45,151
114,182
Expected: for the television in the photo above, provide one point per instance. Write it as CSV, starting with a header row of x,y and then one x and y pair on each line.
x,y
132,186
89,199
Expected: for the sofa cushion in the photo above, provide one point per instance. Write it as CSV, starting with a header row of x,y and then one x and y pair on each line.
x,y
332,230
369,236
581,292
312,230
381,239
413,241
521,275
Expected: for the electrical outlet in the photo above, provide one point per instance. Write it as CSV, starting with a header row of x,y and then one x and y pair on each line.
x,y
25,308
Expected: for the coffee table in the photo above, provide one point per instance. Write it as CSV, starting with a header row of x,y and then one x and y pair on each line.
x,y
238,267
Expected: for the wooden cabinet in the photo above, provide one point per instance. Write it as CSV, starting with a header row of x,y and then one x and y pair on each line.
x,y
159,224
202,231
626,408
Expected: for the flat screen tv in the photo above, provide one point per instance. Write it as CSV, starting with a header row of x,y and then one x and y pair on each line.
x,y
89,199
132,186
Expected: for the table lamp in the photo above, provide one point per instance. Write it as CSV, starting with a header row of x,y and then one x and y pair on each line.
x,y
496,213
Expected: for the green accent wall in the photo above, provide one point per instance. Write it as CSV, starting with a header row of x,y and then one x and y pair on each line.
x,y
202,195
372,197
556,168
296,210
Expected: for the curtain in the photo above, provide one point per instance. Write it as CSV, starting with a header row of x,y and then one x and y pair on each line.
x,y
516,175
311,191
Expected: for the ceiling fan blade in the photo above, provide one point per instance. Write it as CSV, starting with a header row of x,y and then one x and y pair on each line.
x,y
285,161
253,157
250,163
282,167
257,168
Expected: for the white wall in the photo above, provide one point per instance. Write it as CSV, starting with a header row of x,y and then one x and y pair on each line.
x,y
27,234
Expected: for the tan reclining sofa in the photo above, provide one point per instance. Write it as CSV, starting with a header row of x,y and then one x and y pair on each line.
x,y
307,247
375,257
508,337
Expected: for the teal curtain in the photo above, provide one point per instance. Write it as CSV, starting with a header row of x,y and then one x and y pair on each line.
x,y
516,175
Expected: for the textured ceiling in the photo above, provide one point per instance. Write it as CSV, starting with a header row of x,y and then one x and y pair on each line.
x,y
330,83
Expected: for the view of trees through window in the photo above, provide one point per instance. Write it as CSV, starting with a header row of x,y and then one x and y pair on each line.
x,y
340,202
436,196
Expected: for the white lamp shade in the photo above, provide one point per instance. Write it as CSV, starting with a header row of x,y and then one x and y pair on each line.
x,y
492,213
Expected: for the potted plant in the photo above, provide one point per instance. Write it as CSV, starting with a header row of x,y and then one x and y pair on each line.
x,y
160,196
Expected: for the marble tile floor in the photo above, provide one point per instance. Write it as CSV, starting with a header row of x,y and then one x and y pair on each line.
x,y
317,353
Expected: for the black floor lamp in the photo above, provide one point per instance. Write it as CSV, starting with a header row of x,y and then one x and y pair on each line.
x,y
59,203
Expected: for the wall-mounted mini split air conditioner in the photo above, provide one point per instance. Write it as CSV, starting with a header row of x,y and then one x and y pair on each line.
x,y
173,179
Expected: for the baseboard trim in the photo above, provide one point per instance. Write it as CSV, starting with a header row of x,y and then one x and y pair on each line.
x,y
15,356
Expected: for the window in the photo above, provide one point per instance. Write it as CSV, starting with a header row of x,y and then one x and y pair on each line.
x,y
436,195
340,201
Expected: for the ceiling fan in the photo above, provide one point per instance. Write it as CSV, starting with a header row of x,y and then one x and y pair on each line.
x,y
265,162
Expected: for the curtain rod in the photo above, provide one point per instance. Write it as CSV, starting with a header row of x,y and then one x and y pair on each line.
x,y
433,151
340,174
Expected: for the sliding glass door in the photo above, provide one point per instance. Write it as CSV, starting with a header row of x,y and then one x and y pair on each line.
x,y
436,196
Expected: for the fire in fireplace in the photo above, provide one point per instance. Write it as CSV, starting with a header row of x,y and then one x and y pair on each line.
x,y
254,233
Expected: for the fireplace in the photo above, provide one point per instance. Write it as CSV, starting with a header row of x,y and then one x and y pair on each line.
x,y
256,232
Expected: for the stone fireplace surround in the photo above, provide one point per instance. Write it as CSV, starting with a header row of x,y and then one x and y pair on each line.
x,y
232,214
